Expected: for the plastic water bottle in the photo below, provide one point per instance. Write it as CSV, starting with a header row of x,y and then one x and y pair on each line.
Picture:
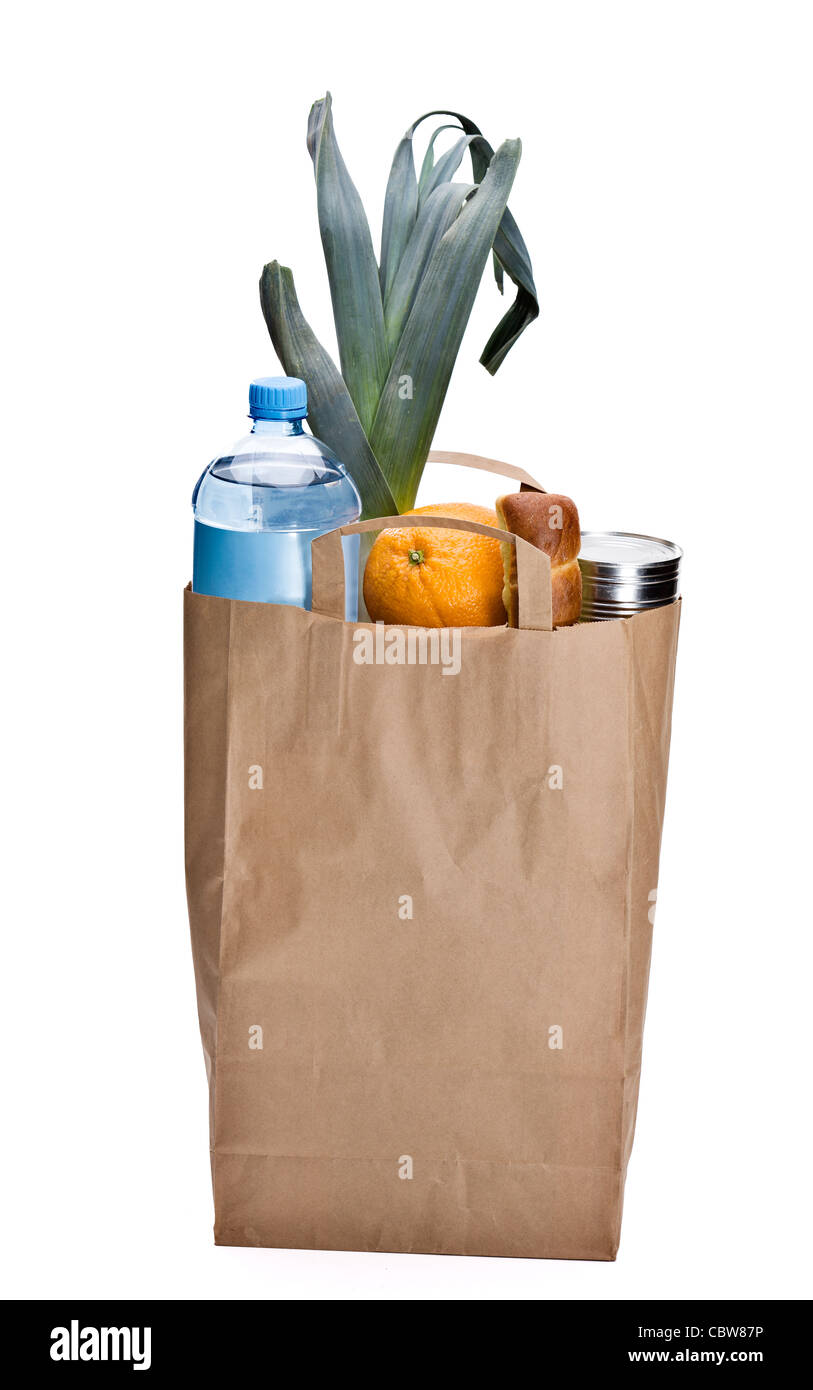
x,y
258,508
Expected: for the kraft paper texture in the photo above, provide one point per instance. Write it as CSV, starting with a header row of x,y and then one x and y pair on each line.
x,y
420,908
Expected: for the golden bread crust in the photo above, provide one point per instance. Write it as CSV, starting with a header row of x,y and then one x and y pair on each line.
x,y
550,521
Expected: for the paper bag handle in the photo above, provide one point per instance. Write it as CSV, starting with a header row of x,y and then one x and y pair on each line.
x,y
533,565
484,465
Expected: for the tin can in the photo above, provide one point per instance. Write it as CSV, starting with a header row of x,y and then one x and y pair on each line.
x,y
624,574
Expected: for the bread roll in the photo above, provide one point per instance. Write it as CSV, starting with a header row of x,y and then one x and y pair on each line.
x,y
551,523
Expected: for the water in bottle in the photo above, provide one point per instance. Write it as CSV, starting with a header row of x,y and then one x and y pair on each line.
x,y
258,507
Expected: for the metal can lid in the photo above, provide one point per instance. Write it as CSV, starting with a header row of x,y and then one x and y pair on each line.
x,y
616,553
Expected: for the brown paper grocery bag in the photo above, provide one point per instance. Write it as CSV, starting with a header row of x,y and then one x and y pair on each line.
x,y
420,894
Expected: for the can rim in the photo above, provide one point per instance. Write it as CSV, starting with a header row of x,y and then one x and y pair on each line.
x,y
626,609
653,568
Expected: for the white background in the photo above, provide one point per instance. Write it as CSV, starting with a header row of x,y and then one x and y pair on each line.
x,y
155,159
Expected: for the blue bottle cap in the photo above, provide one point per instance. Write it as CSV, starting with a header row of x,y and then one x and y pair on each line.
x,y
277,398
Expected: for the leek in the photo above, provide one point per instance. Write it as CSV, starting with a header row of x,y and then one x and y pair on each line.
x,y
400,321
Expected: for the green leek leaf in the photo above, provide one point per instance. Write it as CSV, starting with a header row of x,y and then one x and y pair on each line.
x,y
510,253
418,379
400,212
351,266
331,412
436,216
429,158
447,165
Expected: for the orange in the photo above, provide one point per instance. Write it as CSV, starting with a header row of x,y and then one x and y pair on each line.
x,y
428,577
